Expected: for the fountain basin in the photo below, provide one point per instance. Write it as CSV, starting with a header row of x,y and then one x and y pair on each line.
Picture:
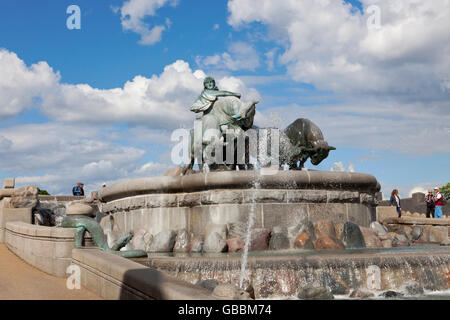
x,y
195,201
281,274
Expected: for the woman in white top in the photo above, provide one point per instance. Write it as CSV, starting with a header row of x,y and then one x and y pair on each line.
x,y
395,201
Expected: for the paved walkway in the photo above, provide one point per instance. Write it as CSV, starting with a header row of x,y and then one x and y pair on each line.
x,y
21,281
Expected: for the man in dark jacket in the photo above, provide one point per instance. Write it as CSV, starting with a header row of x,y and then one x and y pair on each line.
x,y
77,190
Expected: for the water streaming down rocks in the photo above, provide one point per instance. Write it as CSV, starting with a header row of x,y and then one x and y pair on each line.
x,y
284,275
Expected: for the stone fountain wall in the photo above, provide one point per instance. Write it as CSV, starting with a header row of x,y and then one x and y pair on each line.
x,y
193,202
284,275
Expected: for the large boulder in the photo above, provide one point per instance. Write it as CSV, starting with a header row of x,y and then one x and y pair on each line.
x,y
407,231
416,232
305,226
315,293
259,240
360,294
111,237
371,239
324,228
401,237
303,241
221,229
413,288
215,243
209,284
339,230
386,243
327,243
196,245
425,236
378,227
400,240
138,240
279,241
44,217
235,245
58,209
163,241
237,230
352,237
181,241
26,197
391,294
438,234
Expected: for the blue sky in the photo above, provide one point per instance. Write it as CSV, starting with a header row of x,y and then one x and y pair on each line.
x,y
382,96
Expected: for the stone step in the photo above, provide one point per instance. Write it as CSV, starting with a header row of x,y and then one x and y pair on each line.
x,y
417,221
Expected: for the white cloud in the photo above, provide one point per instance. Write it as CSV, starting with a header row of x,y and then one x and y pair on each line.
x,y
133,14
19,84
270,58
80,143
152,168
236,85
240,56
401,128
391,83
340,167
5,144
159,102
327,43
54,156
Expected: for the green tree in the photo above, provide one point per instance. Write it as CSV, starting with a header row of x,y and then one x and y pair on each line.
x,y
44,193
445,190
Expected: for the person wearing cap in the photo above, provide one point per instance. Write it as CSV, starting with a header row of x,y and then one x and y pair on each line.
x,y
438,203
429,200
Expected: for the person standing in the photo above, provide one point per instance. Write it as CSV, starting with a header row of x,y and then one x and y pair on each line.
x,y
395,201
82,189
76,190
438,199
429,199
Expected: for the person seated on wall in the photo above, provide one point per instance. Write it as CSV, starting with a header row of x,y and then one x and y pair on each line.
x,y
395,201
429,200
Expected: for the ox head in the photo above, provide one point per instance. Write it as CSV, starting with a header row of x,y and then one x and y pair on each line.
x,y
319,151
247,121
